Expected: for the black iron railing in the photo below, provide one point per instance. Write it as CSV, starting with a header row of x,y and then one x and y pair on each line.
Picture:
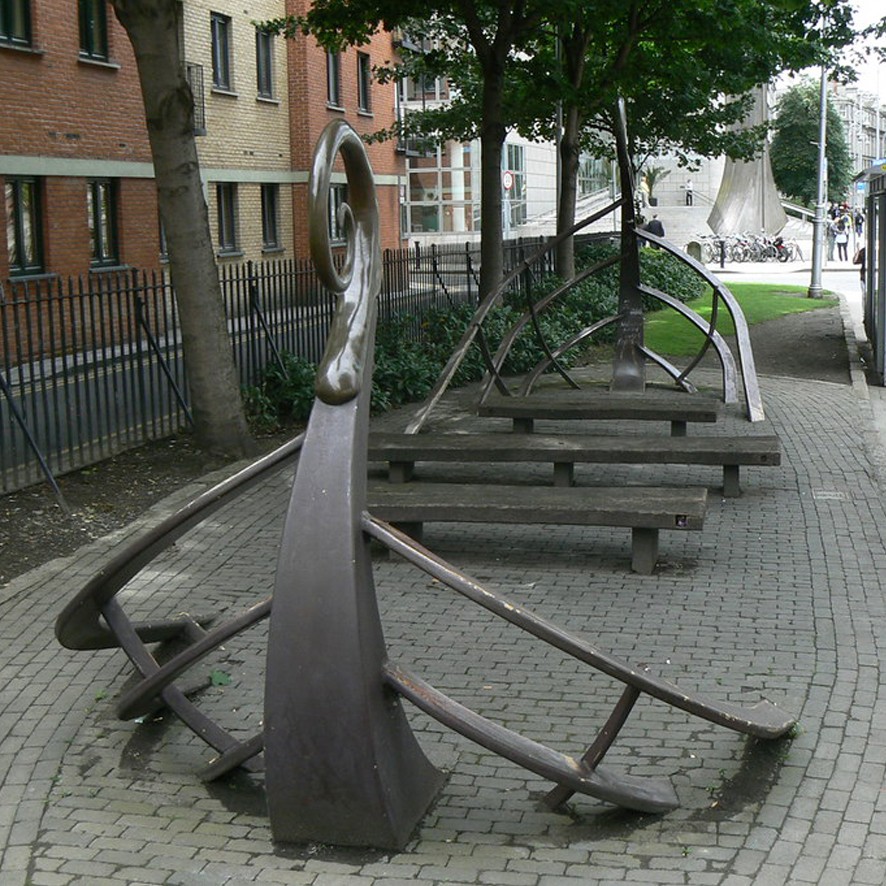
x,y
194,73
92,366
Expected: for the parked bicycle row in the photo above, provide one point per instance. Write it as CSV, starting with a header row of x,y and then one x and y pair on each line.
x,y
747,247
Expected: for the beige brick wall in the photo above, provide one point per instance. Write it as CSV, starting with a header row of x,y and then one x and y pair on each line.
x,y
242,130
247,137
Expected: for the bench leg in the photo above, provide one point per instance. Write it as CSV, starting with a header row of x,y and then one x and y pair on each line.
x,y
564,473
678,428
400,471
731,486
644,549
523,425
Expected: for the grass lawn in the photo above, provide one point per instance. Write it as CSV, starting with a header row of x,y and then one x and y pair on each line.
x,y
667,332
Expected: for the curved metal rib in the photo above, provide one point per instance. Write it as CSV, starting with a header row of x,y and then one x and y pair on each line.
x,y
480,314
233,757
139,700
746,364
79,625
171,696
539,369
763,720
712,337
641,794
542,305
546,348
670,369
95,620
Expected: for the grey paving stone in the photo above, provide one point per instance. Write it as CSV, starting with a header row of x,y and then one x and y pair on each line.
x,y
778,597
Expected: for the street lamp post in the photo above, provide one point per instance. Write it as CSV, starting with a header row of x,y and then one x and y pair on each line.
x,y
818,224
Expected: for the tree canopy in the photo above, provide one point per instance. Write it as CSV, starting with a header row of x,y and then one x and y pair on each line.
x,y
554,70
794,152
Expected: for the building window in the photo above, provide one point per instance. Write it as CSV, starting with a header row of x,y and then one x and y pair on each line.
x,y
594,174
442,191
264,63
226,198
270,216
515,197
221,51
15,22
93,30
364,82
333,79
338,194
23,226
101,209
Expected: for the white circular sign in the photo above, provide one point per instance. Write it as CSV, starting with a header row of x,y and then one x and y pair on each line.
x,y
507,179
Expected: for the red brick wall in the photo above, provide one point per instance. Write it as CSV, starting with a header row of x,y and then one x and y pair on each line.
x,y
58,106
309,114
54,105
66,242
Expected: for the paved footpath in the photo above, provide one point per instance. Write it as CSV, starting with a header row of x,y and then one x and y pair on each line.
x,y
779,597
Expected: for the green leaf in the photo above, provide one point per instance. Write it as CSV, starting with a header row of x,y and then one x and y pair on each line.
x,y
220,678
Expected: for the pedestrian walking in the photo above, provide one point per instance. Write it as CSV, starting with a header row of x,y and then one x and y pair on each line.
x,y
831,237
859,222
842,240
654,226
689,192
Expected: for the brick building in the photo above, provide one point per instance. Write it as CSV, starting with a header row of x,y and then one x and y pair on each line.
x,y
75,166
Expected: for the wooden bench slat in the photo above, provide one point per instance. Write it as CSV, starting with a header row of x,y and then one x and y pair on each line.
x,y
606,449
564,451
653,507
661,406
645,510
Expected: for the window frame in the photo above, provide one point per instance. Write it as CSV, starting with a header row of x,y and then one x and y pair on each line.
x,y
102,220
364,83
23,226
517,203
93,23
333,80
220,27
338,194
15,23
227,218
264,63
270,217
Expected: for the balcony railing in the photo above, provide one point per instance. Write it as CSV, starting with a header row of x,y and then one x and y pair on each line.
x,y
194,74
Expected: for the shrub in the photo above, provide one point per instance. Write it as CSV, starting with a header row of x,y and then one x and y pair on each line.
x,y
411,352
284,394
405,370
670,275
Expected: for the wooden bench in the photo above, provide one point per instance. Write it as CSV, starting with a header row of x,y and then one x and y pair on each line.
x,y
564,451
670,406
645,510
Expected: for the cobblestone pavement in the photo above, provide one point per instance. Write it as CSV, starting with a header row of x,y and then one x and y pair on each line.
x,y
779,597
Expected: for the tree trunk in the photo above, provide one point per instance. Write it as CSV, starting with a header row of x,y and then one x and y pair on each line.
x,y
629,363
569,156
492,136
153,30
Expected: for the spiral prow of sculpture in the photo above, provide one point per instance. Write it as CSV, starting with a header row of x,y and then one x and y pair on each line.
x,y
342,763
